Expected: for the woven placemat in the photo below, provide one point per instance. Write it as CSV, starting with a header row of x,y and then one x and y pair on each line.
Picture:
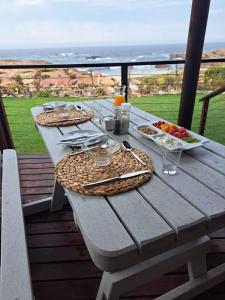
x,y
51,116
74,171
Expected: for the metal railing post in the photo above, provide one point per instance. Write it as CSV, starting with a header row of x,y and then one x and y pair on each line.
x,y
124,78
203,118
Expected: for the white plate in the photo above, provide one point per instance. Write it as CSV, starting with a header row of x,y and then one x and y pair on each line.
x,y
185,145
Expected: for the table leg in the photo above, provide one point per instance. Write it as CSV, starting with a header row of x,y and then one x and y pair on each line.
x,y
108,287
114,285
197,267
57,197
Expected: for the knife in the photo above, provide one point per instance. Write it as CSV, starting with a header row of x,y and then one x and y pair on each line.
x,y
124,176
64,120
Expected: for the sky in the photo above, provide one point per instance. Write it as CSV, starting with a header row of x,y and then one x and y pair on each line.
x,y
54,23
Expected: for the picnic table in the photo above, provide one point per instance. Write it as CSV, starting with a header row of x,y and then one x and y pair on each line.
x,y
138,235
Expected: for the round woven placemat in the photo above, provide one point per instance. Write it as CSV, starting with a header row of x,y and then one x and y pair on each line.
x,y
51,116
74,171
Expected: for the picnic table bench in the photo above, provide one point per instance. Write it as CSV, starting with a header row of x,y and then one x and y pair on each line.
x,y
15,278
138,235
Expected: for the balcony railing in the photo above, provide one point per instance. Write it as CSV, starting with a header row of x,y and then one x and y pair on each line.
x,y
164,88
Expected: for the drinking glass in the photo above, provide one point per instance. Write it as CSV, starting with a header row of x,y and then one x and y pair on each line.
x,y
119,96
101,153
96,109
170,160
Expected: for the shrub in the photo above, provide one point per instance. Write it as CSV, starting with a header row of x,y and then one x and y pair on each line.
x,y
214,76
44,93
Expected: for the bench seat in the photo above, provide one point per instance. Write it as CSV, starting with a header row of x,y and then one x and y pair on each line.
x,y
15,273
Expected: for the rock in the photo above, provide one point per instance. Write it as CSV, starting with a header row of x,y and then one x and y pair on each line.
x,y
93,57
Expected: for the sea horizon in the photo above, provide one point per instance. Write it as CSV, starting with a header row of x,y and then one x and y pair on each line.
x,y
105,54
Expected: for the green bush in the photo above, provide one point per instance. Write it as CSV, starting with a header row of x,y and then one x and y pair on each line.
x,y
215,76
44,93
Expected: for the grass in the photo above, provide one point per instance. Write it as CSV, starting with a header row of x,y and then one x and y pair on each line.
x,y
25,136
27,139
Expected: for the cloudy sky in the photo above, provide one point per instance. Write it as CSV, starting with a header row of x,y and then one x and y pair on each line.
x,y
44,23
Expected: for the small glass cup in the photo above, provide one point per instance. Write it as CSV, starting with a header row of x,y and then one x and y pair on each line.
x,y
170,160
101,153
119,96
96,109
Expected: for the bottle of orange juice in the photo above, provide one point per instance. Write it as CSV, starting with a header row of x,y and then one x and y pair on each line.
x,y
119,96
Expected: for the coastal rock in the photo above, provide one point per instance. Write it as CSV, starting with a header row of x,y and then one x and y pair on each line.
x,y
52,81
219,53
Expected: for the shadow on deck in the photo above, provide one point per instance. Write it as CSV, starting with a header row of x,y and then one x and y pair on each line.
x,y
61,267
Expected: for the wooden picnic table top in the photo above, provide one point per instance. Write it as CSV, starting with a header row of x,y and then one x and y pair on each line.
x,y
162,214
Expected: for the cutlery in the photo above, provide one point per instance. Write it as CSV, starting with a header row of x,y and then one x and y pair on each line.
x,y
128,148
64,120
93,140
79,108
124,176
81,136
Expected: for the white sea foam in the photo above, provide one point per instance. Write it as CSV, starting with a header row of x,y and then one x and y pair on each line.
x,y
65,54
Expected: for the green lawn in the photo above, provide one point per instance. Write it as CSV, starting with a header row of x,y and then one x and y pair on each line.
x,y
27,139
25,136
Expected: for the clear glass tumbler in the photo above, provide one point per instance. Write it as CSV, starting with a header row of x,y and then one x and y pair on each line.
x,y
96,109
170,160
102,152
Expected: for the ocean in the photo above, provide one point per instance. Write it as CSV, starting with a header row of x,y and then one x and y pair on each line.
x,y
104,54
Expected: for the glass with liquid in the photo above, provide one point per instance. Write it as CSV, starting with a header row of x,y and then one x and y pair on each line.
x,y
119,96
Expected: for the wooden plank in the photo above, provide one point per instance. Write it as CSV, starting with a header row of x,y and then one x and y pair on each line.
x,y
64,271
15,274
47,217
209,158
36,177
37,183
66,290
34,166
51,227
197,194
215,148
29,156
34,161
54,240
36,171
36,191
59,254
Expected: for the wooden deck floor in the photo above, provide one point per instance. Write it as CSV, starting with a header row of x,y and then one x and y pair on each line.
x,y
61,267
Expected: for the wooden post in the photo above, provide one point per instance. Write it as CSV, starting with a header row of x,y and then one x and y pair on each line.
x,y
124,78
6,140
196,36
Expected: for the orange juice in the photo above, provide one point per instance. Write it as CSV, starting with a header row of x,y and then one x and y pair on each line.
x,y
118,99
